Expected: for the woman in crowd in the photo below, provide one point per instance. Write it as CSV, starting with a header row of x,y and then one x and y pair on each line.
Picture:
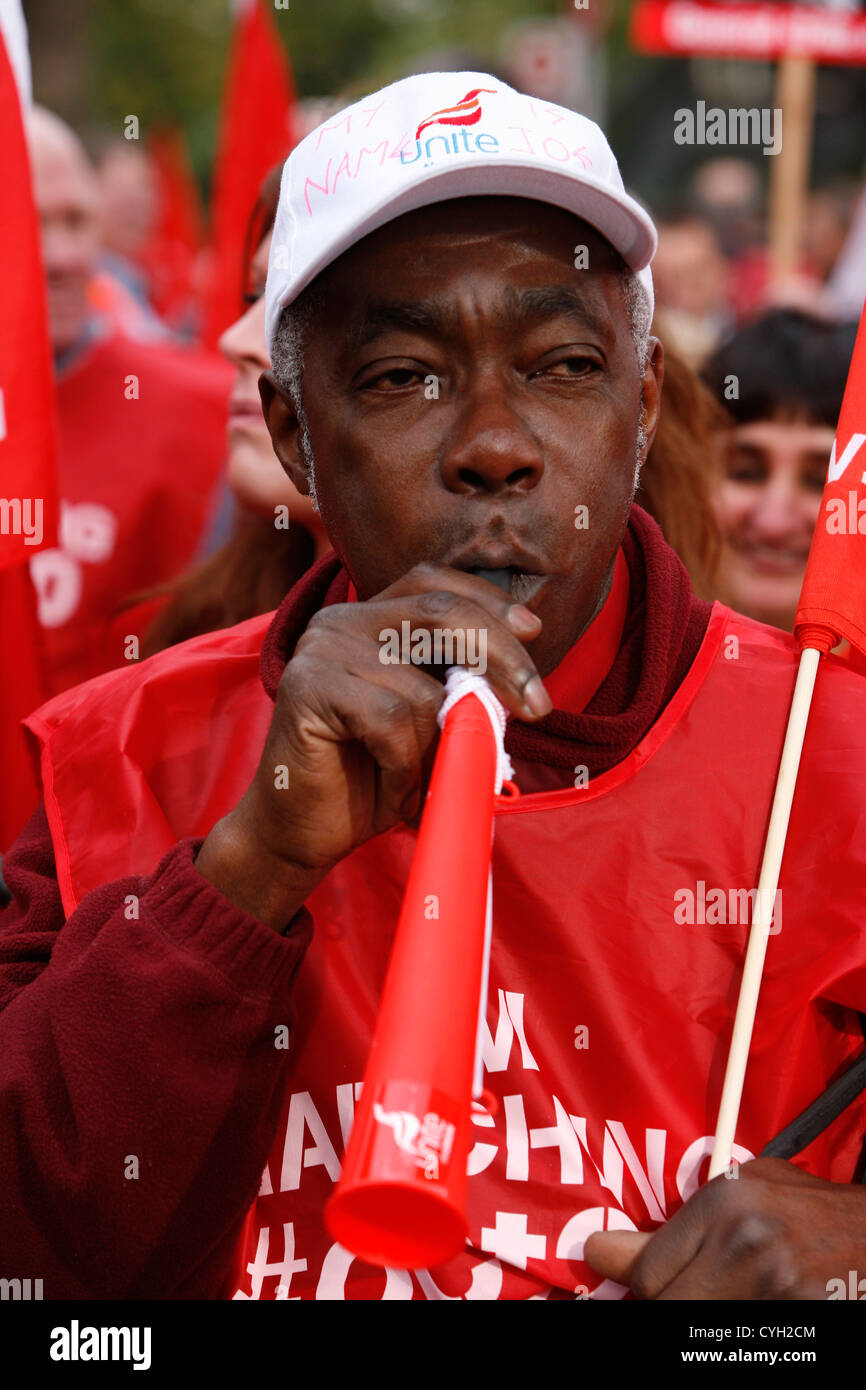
x,y
781,381
261,561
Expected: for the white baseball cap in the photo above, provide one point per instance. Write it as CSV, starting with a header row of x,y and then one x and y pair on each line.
x,y
436,136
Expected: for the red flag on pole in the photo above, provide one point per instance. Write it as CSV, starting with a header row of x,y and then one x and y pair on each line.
x,y
833,598
168,254
832,606
28,431
256,131
22,690
28,435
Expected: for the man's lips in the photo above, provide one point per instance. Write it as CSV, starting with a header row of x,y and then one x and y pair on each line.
x,y
529,573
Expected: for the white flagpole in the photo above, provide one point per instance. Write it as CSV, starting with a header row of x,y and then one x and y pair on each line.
x,y
478,1069
768,882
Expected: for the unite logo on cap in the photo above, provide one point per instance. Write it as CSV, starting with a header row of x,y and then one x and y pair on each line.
x,y
362,168
466,112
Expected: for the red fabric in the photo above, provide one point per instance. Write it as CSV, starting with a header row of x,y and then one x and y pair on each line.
x,y
20,790
138,478
855,659
28,462
169,252
608,1015
256,132
572,684
606,1128
833,598
28,431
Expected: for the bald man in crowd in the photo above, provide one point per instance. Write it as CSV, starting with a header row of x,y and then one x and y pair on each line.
x,y
142,431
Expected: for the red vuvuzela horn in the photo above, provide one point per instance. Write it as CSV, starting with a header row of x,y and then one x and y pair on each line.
x,y
402,1195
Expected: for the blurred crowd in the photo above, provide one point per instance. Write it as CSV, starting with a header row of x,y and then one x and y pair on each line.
x,y
771,355
168,481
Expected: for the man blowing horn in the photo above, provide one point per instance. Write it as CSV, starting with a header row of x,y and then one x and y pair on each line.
x,y
464,379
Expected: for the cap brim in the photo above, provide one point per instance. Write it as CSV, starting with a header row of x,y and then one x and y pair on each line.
x,y
616,216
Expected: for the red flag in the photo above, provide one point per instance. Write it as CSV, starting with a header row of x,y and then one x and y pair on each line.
x,y
28,439
833,598
28,428
22,690
169,252
256,132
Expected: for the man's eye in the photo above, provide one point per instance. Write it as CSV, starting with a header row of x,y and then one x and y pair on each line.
x,y
393,379
574,366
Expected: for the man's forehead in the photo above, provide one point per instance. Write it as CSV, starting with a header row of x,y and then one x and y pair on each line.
x,y
460,222
531,257
398,285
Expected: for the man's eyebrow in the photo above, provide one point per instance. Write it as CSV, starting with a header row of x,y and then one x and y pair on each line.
x,y
549,301
519,307
381,316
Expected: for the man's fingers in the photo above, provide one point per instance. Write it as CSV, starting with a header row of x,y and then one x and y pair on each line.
x,y
615,1253
731,1240
649,1262
673,1246
453,599
429,577
436,617
468,635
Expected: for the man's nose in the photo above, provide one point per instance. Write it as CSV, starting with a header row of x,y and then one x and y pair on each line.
x,y
490,448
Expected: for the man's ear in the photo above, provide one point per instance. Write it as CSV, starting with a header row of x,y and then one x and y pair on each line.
x,y
282,420
651,390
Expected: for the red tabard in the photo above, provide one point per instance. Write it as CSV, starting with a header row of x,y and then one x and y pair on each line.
x,y
620,921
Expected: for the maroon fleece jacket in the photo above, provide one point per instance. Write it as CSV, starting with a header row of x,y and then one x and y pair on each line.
x,y
140,1088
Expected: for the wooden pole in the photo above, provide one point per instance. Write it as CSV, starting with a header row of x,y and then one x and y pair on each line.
x,y
789,174
768,882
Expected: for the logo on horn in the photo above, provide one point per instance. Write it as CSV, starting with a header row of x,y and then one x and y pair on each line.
x,y
429,1141
466,112
405,1125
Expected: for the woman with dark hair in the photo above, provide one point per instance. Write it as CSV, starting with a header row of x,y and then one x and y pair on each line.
x,y
261,561
781,382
